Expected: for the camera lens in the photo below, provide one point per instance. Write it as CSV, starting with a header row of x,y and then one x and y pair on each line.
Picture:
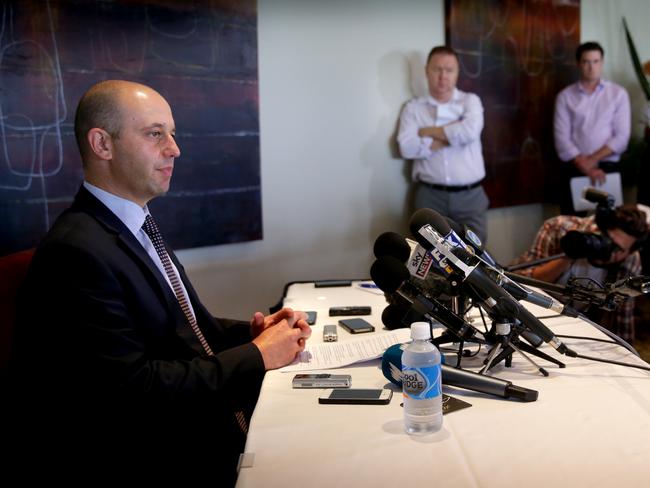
x,y
577,245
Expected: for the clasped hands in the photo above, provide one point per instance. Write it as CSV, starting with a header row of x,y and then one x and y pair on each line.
x,y
280,337
588,165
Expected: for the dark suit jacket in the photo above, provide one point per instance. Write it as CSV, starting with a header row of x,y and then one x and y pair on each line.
x,y
102,340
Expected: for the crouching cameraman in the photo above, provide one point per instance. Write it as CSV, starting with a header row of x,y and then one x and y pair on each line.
x,y
602,247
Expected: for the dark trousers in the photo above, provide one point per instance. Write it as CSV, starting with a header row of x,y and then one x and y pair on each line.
x,y
467,207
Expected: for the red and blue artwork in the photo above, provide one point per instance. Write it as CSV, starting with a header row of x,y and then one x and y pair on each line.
x,y
517,56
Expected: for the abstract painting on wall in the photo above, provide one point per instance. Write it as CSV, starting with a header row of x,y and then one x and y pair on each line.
x,y
201,56
516,56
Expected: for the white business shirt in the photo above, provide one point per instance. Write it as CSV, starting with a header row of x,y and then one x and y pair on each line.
x,y
460,163
132,216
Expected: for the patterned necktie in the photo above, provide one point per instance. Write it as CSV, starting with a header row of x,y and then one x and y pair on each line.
x,y
151,229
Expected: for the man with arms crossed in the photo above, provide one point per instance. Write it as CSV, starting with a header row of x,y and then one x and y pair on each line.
x,y
441,132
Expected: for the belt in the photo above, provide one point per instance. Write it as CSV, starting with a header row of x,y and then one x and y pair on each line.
x,y
452,188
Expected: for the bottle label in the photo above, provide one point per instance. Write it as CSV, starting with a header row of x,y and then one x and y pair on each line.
x,y
422,383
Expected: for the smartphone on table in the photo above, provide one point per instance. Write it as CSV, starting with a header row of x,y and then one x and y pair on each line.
x,y
356,326
357,396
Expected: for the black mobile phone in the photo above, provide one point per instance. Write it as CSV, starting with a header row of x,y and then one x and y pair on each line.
x,y
332,283
311,317
357,396
356,326
353,310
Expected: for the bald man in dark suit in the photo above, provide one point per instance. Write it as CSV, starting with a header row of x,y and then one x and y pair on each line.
x,y
112,342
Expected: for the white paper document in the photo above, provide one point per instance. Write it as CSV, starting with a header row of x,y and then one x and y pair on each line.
x,y
329,355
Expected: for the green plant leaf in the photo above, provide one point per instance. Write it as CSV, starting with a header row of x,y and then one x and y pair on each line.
x,y
645,85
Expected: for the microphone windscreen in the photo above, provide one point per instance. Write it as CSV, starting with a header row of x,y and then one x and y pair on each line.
x,y
596,196
393,315
391,364
388,273
392,244
426,216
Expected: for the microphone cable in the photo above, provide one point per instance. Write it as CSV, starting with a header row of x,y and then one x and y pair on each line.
x,y
585,338
611,335
616,341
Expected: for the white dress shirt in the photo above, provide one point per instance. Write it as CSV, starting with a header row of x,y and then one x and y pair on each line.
x,y
460,163
132,216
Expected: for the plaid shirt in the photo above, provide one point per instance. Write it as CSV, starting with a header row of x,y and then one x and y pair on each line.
x,y
547,243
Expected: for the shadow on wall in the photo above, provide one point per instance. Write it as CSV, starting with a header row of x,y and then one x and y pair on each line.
x,y
390,193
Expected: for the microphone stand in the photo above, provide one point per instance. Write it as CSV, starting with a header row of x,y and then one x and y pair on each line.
x,y
507,333
457,301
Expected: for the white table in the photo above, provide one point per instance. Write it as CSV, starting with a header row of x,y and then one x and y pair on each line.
x,y
589,427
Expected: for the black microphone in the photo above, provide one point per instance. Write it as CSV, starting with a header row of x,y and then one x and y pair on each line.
x,y
522,293
433,232
470,238
506,280
598,197
391,276
392,316
418,261
485,384
401,315
392,244
504,308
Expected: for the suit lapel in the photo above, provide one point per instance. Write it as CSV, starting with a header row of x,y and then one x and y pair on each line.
x,y
86,202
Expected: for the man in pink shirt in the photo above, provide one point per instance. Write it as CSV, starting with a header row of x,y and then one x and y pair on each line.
x,y
592,119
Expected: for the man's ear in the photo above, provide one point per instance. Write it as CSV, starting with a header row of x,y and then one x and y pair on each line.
x,y
100,143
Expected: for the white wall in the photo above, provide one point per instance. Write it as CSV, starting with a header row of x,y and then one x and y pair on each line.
x,y
333,77
600,20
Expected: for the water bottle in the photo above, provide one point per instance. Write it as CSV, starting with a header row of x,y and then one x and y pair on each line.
x,y
421,382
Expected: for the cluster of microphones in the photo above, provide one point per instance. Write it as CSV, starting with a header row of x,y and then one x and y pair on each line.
x,y
434,277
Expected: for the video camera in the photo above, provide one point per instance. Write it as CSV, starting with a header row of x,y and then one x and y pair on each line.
x,y
577,245
598,247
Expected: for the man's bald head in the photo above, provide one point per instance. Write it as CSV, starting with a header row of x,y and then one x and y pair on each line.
x,y
100,107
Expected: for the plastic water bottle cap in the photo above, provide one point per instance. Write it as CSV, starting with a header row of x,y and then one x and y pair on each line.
x,y
420,331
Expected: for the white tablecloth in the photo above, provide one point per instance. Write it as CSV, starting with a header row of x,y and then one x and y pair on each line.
x,y
589,427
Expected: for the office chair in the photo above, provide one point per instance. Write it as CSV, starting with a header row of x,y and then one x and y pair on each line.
x,y
13,270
